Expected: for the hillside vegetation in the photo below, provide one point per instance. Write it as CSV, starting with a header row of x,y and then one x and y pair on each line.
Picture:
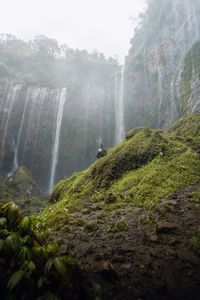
x,y
132,218
146,166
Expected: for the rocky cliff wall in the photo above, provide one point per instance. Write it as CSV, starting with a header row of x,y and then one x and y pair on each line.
x,y
155,64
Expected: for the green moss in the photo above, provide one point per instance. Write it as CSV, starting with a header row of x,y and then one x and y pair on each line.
x,y
195,244
159,178
186,127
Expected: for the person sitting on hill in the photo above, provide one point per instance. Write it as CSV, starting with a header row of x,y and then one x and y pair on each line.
x,y
101,152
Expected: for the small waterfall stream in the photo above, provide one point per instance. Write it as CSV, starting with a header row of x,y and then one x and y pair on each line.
x,y
119,106
55,150
10,101
15,160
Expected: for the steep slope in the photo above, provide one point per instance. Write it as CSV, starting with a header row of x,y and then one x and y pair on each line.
x,y
132,218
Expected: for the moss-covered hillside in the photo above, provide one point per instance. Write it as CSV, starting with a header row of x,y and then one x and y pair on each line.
x,y
133,218
146,166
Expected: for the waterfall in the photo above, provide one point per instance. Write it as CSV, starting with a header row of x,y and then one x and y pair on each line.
x,y
119,106
15,160
55,151
160,94
9,105
30,126
40,104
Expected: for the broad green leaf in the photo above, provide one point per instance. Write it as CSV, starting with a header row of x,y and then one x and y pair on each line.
x,y
15,279
13,213
13,243
25,224
48,265
3,223
59,265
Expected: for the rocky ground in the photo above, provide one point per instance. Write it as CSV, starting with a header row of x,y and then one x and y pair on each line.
x,y
131,253
22,189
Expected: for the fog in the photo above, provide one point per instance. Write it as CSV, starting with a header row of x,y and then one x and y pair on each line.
x,y
106,26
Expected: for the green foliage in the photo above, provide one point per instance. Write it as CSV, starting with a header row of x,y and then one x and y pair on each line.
x,y
130,155
195,244
31,269
43,62
187,127
159,178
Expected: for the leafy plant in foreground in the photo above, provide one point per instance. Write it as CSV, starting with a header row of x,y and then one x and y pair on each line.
x,y
29,269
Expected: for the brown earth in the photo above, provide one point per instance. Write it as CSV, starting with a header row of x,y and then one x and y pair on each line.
x,y
130,253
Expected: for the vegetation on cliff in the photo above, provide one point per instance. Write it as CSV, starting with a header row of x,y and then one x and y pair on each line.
x,y
43,62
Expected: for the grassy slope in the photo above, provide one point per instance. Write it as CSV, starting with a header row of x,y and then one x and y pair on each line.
x,y
147,166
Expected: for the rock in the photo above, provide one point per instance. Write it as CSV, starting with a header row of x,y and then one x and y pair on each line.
x,y
87,250
110,199
104,268
126,248
188,256
126,266
166,227
153,238
85,211
156,253
170,253
163,209
173,202
118,259
3,223
24,181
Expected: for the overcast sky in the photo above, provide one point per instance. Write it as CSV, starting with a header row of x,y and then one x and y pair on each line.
x,y
103,25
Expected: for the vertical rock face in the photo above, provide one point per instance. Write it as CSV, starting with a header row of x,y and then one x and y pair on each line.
x,y
154,71
54,132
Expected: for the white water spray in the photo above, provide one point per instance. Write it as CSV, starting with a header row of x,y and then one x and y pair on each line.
x,y
15,161
55,151
12,97
119,106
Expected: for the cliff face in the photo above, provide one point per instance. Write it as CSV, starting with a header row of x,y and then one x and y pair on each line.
x,y
157,65
29,120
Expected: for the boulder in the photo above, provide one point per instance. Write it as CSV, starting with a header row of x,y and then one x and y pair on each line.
x,y
166,227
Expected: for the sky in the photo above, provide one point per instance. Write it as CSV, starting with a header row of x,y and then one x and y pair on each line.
x,y
103,25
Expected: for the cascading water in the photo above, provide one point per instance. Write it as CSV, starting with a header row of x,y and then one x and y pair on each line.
x,y
9,105
119,106
55,152
15,160
33,110
29,129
